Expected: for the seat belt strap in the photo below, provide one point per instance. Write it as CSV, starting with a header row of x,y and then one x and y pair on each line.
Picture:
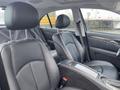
x,y
35,34
78,24
45,38
86,37
42,32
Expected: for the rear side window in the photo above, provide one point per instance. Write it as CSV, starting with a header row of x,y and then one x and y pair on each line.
x,y
98,20
49,21
2,17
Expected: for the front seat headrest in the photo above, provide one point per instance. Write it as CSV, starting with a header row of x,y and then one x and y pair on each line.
x,y
20,16
62,21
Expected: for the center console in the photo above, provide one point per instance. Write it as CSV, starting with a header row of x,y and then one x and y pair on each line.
x,y
82,76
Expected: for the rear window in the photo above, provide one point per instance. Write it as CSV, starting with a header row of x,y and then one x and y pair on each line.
x,y
44,23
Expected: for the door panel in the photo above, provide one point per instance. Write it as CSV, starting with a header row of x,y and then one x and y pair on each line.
x,y
104,46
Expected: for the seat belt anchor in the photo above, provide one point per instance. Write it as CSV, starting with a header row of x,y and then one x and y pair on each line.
x,y
64,81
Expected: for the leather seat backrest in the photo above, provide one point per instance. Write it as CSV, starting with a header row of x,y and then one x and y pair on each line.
x,y
28,63
67,46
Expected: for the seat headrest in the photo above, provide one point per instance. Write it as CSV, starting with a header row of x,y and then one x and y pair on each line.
x,y
62,21
20,16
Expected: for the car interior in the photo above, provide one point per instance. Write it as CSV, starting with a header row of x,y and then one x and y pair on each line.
x,y
59,45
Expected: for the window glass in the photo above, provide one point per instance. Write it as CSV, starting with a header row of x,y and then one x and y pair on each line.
x,y
53,16
98,20
44,22
2,17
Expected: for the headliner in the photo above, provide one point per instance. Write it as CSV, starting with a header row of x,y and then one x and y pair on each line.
x,y
46,6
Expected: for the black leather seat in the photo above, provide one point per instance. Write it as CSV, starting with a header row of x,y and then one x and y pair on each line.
x,y
68,47
28,64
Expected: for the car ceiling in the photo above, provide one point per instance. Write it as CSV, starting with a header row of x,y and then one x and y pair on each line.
x,y
46,6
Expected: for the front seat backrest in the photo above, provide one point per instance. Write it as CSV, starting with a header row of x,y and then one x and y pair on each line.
x,y
66,44
28,64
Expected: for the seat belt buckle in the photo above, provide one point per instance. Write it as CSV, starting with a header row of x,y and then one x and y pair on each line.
x,y
64,81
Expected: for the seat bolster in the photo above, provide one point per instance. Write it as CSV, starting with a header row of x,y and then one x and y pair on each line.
x,y
69,88
51,66
105,68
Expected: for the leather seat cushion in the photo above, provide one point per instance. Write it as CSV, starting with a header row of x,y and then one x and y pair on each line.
x,y
69,88
105,68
